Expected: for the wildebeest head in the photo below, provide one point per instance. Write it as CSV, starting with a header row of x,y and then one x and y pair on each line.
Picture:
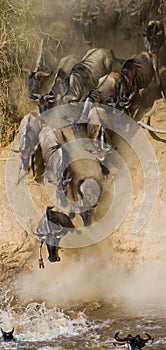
x,y
154,36
56,93
133,343
7,336
86,13
41,70
34,80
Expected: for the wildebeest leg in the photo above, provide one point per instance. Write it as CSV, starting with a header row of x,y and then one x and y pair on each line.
x,y
157,77
132,94
85,217
84,115
61,196
41,263
33,164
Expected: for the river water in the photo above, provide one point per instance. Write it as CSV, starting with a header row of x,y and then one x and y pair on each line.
x,y
88,324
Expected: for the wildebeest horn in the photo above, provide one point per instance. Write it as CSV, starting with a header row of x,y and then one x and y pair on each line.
x,y
35,96
42,74
51,101
3,332
111,104
38,63
120,339
77,17
67,180
122,104
15,150
141,34
48,98
94,11
148,337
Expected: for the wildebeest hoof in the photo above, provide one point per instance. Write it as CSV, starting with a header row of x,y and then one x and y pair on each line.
x,y
41,264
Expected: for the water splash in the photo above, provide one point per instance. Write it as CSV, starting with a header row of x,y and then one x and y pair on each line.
x,y
36,322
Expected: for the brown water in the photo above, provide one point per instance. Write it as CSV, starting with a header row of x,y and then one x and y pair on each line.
x,y
82,325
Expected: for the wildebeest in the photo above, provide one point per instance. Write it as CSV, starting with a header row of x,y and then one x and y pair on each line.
x,y
154,36
59,86
28,137
136,73
89,191
87,16
104,93
7,336
85,75
133,343
55,159
125,15
41,70
52,227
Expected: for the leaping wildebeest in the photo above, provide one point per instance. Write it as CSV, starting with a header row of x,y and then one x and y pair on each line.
x,y
52,227
28,137
133,343
7,336
85,75
56,162
136,73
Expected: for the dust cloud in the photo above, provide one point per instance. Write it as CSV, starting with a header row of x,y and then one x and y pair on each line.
x,y
94,278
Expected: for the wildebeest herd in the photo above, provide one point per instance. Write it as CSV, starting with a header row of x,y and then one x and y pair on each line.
x,y
93,81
